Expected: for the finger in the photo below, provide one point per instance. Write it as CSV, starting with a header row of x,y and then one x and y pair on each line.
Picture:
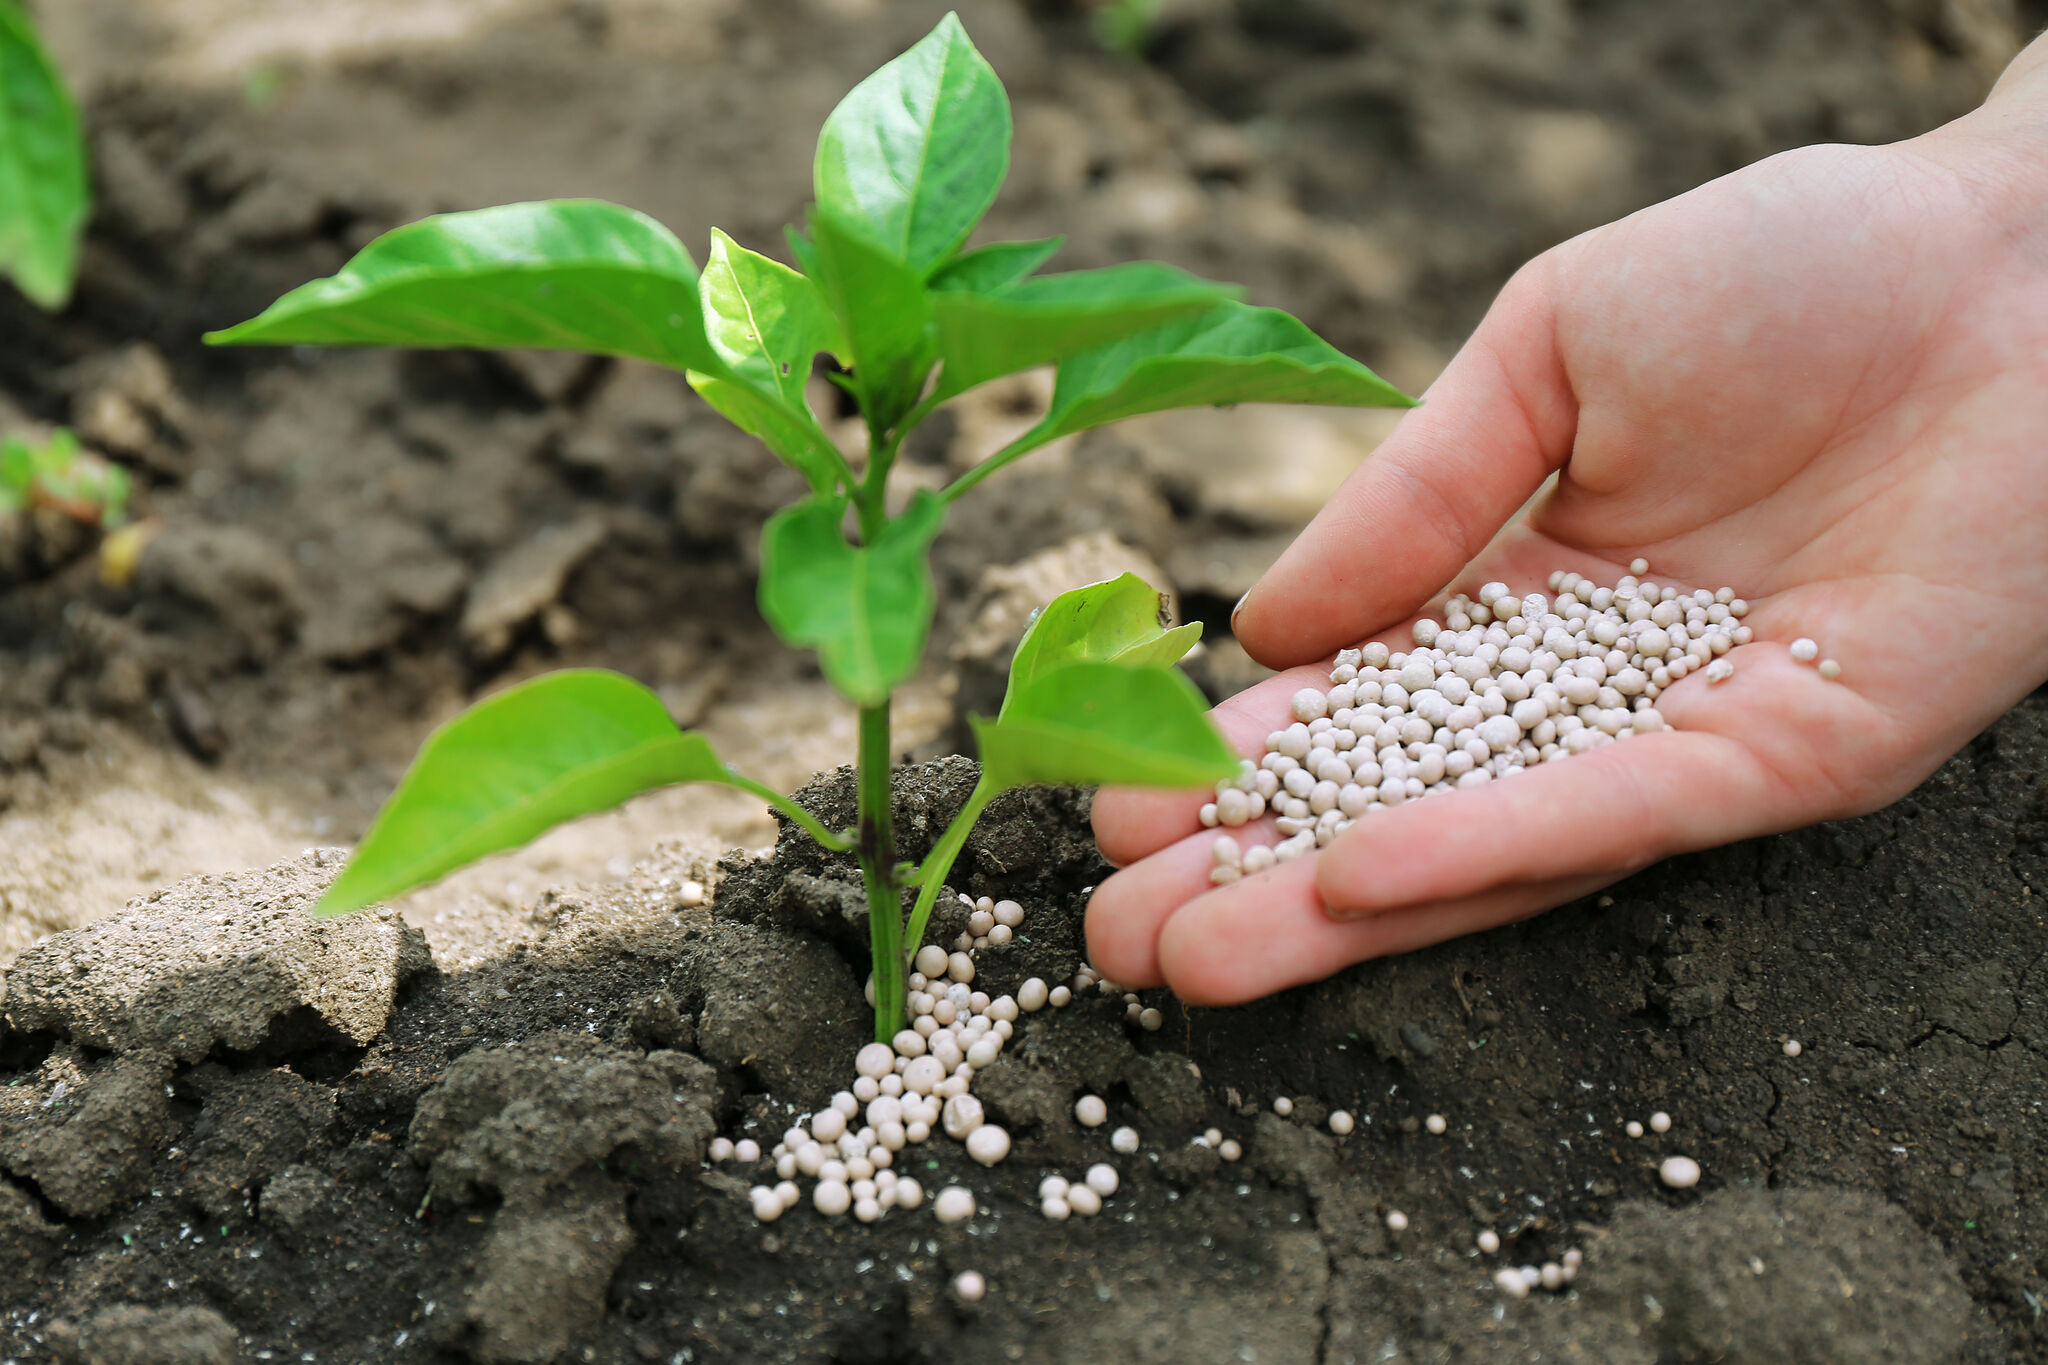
x,y
1128,910
1495,425
1269,932
1608,812
1135,822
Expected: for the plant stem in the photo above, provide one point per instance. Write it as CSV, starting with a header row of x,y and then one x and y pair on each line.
x,y
932,875
878,869
810,824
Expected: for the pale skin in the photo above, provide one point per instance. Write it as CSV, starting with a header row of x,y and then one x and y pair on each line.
x,y
1823,381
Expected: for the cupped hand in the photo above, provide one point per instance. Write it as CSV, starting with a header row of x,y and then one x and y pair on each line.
x,y
1823,381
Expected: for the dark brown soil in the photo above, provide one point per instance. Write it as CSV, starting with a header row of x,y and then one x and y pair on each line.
x,y
509,1170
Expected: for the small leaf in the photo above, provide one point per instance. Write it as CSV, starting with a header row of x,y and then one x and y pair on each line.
x,y
982,336
1233,353
516,764
884,311
918,150
767,323
43,190
1121,621
866,609
1089,723
997,265
565,274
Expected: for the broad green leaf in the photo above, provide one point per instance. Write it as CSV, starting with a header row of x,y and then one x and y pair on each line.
x,y
1094,722
982,336
997,265
918,150
767,323
564,274
512,766
866,609
1121,621
1234,353
43,190
884,311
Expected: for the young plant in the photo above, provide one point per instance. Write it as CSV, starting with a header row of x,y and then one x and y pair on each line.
x,y
59,477
906,166
42,167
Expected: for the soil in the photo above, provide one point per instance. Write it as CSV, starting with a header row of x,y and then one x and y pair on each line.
x,y
480,1138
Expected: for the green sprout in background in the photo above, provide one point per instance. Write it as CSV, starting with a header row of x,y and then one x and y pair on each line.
x,y
43,193
59,477
906,167
1124,26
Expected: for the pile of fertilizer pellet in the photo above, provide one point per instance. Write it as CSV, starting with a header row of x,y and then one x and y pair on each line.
x,y
1499,685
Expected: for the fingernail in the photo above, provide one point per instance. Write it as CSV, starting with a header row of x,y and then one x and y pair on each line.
x,y
1238,608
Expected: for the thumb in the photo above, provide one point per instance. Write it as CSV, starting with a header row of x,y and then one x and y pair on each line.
x,y
1490,430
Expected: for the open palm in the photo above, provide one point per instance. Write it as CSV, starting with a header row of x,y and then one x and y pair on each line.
x,y
1822,381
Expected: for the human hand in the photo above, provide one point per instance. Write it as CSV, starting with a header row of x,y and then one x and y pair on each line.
x,y
1822,380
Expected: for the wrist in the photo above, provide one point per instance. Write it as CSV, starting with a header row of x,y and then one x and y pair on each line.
x,y
2001,147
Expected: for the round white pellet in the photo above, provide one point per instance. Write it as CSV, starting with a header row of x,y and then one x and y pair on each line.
x,y
1679,1172
1084,1201
788,1193
1102,1177
1639,566
829,1125
960,967
985,1050
953,1204
1397,1221
1341,1122
1009,913
1553,1275
931,960
1058,1210
721,1149
1489,1241
1308,704
923,1075
1124,1140
968,1286
1660,1122
1793,1047
988,1144
1830,670
909,1043
747,1150
1435,1123
1804,650
767,1203
1634,1129
1032,995
1090,1111
1059,996
909,1194
846,1104
1510,1281
1283,1106
1229,1149
831,1198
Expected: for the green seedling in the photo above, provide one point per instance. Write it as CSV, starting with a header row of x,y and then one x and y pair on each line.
x,y
59,477
43,194
1124,25
906,167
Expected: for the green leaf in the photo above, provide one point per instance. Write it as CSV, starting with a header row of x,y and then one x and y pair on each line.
x,y
1089,723
564,274
767,323
885,312
43,190
512,766
1234,353
17,467
982,336
918,150
997,265
1121,621
866,609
